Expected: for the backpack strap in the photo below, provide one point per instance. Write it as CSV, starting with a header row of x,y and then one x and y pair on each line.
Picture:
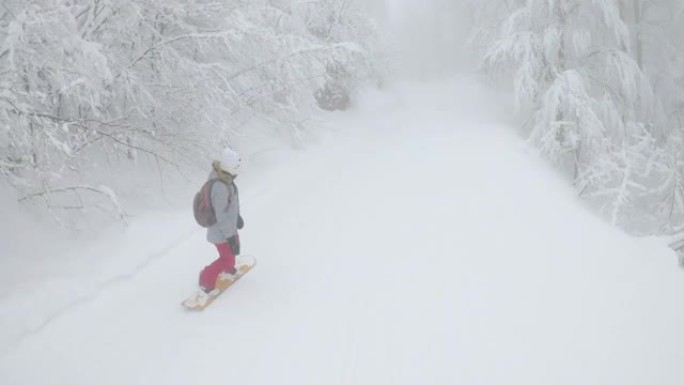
x,y
227,185
237,193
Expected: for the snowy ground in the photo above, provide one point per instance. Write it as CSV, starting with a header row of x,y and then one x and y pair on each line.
x,y
420,243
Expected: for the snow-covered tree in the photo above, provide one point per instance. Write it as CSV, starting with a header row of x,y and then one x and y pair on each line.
x,y
591,107
92,82
660,42
55,85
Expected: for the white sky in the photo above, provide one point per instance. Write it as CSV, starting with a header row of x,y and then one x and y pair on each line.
x,y
427,36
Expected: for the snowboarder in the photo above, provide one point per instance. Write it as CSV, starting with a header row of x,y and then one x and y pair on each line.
x,y
224,233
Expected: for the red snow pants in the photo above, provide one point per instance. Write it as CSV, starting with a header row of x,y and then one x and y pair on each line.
x,y
224,263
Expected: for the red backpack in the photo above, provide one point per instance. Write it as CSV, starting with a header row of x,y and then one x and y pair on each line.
x,y
202,207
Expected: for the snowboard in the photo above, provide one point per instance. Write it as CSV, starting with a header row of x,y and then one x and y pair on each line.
x,y
200,300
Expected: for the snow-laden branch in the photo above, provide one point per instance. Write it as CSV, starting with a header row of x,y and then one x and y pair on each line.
x,y
10,166
171,40
101,190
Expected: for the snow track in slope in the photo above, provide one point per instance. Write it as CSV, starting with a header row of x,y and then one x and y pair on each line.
x,y
422,245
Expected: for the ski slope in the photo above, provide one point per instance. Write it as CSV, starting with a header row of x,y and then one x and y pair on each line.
x,y
419,242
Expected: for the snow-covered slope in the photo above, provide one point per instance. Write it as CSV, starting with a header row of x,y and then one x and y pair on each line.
x,y
419,243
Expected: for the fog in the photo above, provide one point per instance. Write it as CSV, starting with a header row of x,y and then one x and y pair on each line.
x,y
428,38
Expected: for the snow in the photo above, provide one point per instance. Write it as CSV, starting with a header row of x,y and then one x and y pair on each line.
x,y
420,241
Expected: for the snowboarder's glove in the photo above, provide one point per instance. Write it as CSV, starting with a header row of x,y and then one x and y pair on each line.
x,y
241,222
234,243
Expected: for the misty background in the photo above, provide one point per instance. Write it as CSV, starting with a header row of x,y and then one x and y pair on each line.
x,y
92,90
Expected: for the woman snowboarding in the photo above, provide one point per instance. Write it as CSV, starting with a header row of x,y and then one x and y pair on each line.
x,y
224,233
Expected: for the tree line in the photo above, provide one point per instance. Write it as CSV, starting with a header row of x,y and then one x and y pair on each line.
x,y
89,83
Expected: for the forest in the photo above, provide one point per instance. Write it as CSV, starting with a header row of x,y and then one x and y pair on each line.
x,y
89,88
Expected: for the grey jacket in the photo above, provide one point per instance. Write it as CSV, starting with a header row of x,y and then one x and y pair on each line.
x,y
226,203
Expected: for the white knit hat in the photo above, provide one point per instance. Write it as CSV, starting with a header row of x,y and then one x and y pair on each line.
x,y
230,161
